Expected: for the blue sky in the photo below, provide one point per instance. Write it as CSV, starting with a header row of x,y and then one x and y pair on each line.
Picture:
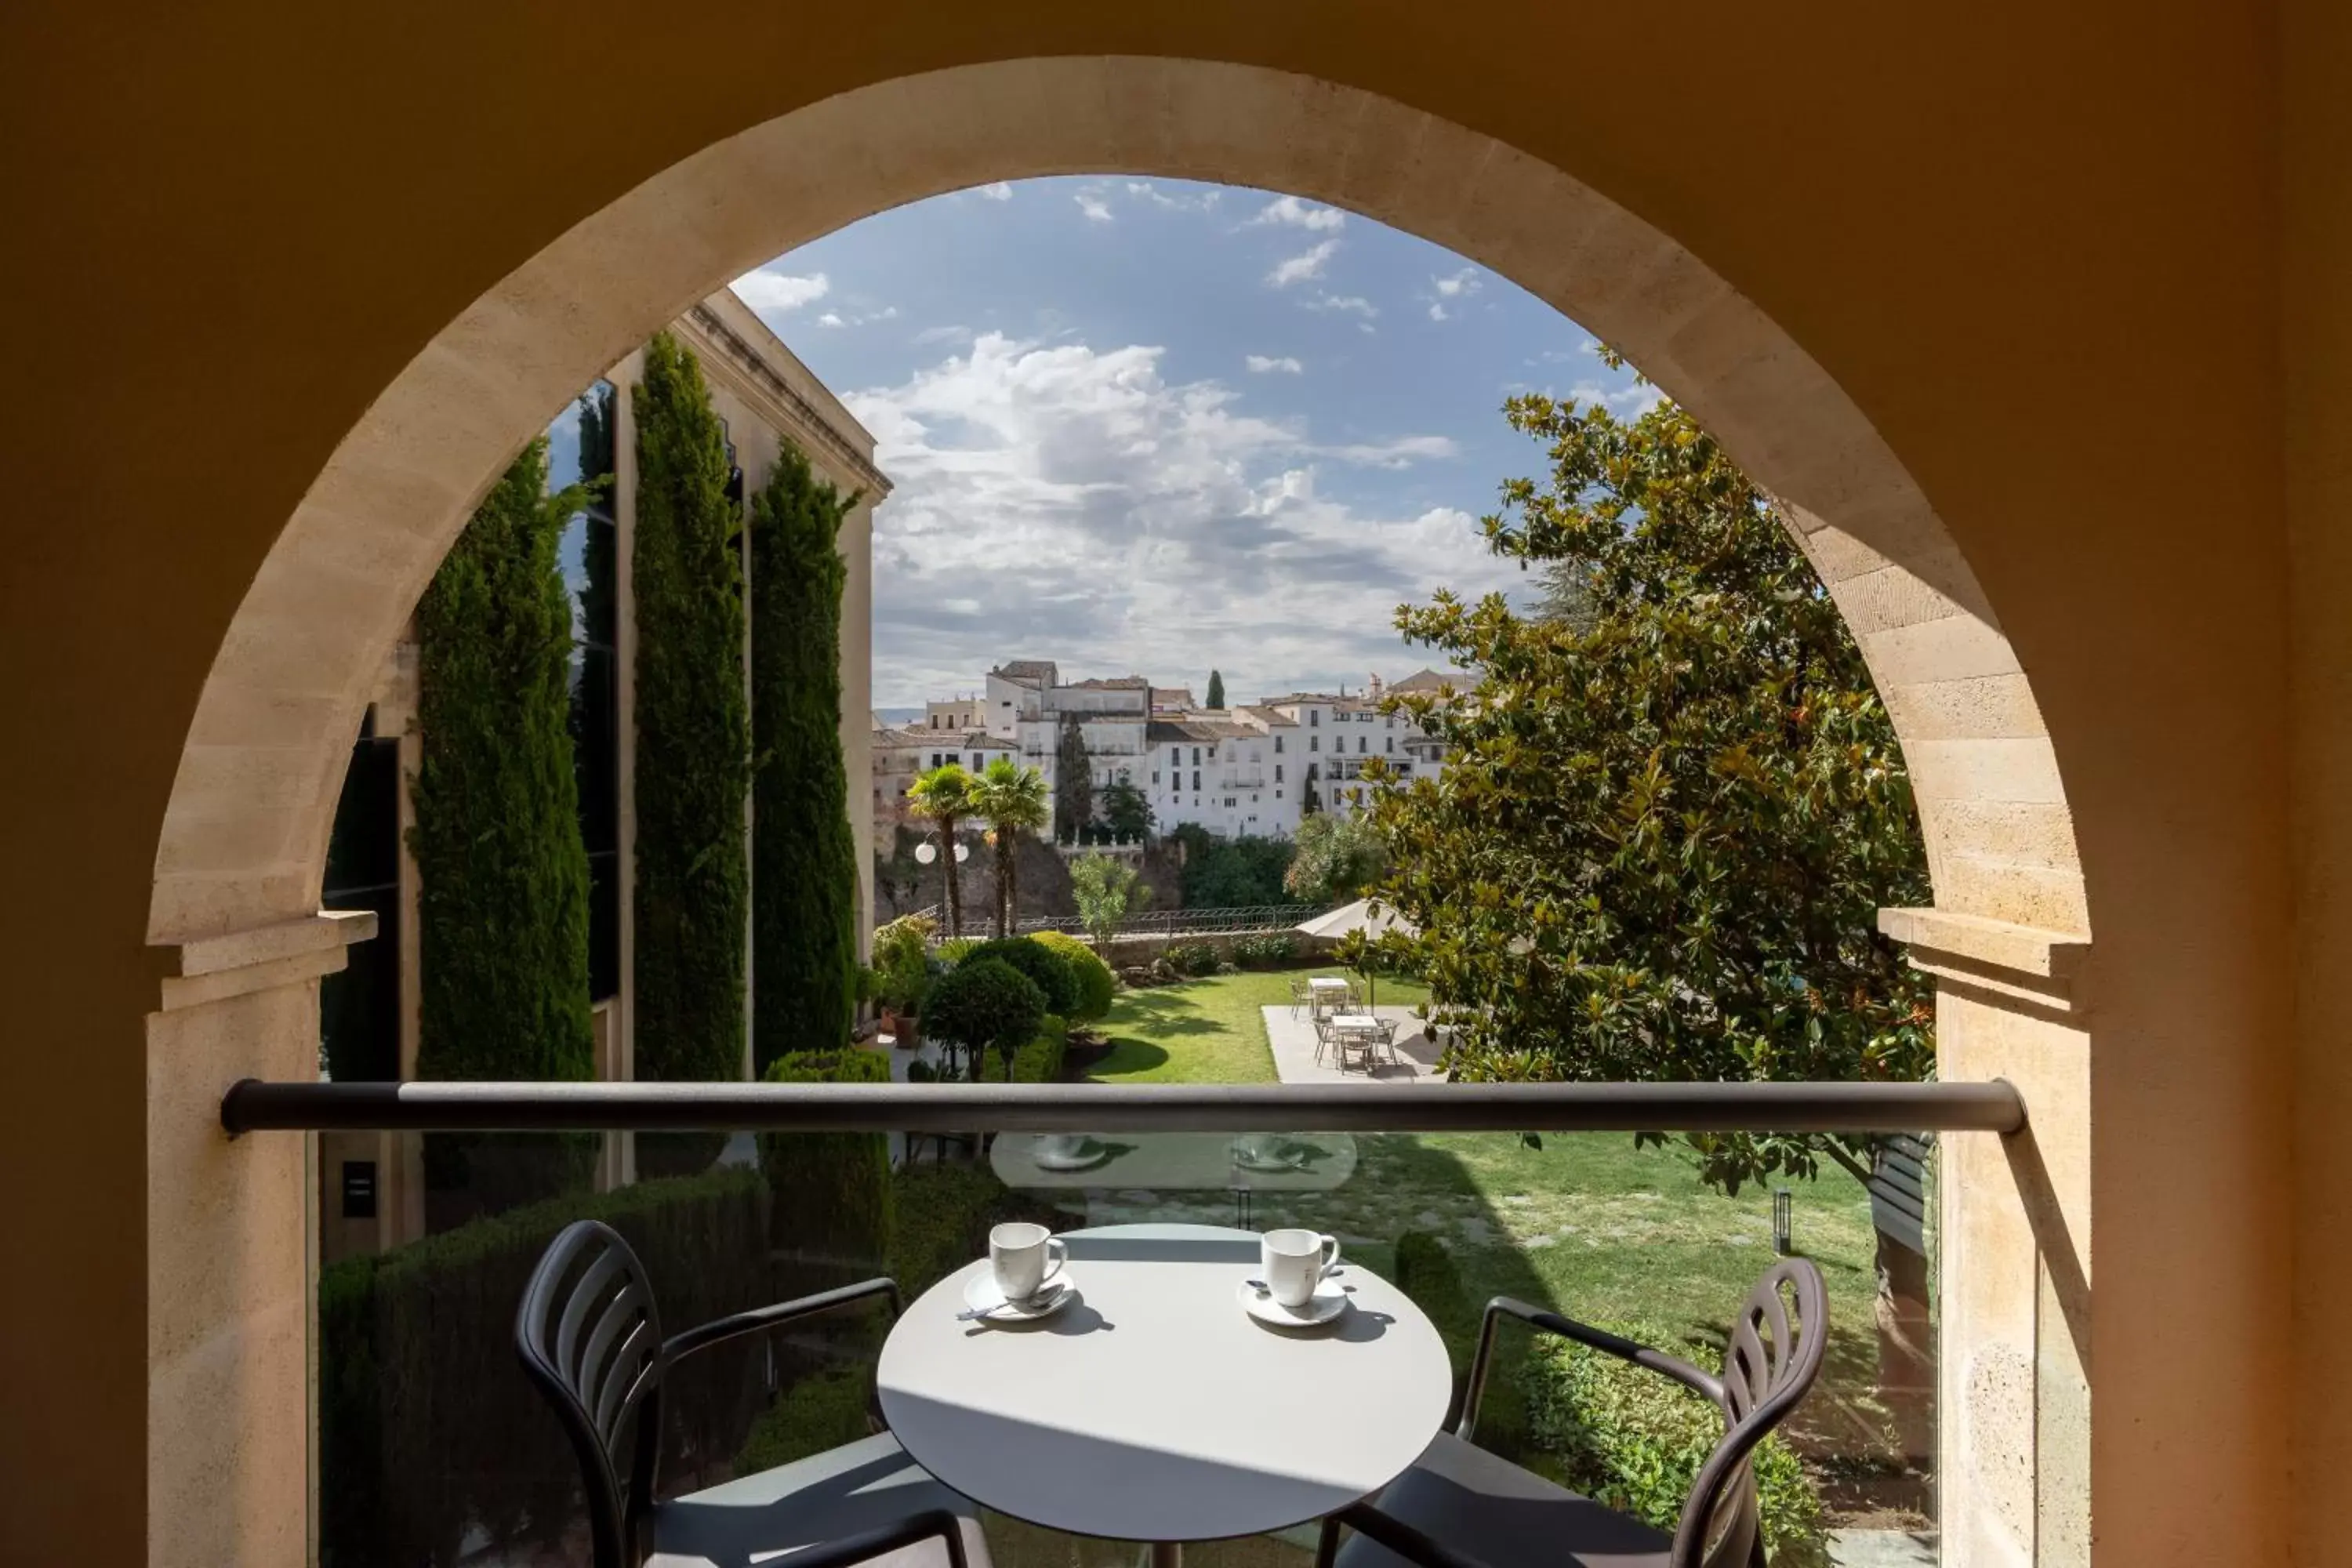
x,y
1152,427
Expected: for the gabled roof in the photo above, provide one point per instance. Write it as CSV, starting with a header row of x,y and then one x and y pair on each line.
x,y
1273,718
1026,671
1114,683
1433,680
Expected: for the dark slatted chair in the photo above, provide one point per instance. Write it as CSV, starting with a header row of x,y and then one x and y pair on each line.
x,y
590,1338
1461,1507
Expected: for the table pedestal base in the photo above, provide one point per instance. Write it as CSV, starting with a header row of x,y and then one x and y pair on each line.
x,y
1167,1554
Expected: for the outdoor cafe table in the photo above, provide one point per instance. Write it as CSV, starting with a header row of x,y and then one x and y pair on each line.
x,y
1153,1407
1327,990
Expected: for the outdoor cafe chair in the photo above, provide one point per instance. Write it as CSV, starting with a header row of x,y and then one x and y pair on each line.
x,y
1302,995
1461,1507
589,1339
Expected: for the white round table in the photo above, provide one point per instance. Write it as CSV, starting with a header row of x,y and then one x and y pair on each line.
x,y
1154,1408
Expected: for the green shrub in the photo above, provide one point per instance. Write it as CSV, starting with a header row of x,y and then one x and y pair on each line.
x,y
831,1191
1426,1272
1267,951
902,960
1634,1441
1193,958
1040,1061
427,1428
821,1412
1051,971
956,949
804,892
984,1004
1096,984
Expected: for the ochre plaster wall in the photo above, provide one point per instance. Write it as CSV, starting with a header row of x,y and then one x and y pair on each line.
x,y
2037,247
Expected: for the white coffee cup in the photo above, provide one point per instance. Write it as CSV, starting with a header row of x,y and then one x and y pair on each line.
x,y
1293,1262
1024,1258
1060,1145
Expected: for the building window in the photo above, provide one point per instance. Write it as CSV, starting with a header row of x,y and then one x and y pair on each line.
x,y
1196,782
1278,745
1363,744
580,451
359,1005
1277,773
1391,745
1278,795
1196,756
1155,778
1315,717
1313,743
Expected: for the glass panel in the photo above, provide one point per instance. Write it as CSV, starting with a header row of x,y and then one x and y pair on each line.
x,y
436,1449
603,925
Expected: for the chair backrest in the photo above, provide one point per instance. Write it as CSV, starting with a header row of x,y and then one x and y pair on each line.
x,y
591,1341
1768,1368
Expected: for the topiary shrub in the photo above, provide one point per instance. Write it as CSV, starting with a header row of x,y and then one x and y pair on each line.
x,y
1634,1441
805,890
1193,958
944,1216
830,1191
985,1004
1096,984
956,949
1048,969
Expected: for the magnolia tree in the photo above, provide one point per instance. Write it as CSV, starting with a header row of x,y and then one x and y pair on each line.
x,y
1672,803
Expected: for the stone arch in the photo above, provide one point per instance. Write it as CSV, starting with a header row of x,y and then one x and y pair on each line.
x,y
245,833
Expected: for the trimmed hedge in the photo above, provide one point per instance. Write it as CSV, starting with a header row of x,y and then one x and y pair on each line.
x,y
693,745
1097,985
1633,1441
1040,1061
817,1414
1048,969
428,1427
804,883
945,1213
831,1207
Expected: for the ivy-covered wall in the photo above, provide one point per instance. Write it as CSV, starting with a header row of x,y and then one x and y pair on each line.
x,y
804,893
693,753
503,899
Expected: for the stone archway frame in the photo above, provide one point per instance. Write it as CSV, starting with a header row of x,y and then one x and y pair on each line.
x,y
241,854
245,830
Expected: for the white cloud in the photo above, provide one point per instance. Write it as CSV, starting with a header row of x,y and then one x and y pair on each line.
x,y
1094,206
829,319
1197,201
1264,364
1293,212
948,334
1628,402
1300,267
999,191
777,293
858,319
1063,502
1453,286
1346,304
1400,453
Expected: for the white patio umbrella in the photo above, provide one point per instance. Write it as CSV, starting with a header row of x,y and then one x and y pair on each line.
x,y
1350,919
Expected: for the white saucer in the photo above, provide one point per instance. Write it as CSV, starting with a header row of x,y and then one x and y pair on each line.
x,y
1086,1155
981,1294
1331,1299
1295,1160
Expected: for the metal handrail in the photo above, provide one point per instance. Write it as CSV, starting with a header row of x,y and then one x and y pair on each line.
x,y
254,1106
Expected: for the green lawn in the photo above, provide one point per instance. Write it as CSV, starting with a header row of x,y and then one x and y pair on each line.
x,y
1588,1223
1208,1031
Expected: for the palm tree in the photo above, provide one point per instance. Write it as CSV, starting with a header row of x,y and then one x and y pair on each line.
x,y
943,797
1009,798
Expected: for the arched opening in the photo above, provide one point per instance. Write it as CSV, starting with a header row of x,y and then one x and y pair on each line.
x,y
245,833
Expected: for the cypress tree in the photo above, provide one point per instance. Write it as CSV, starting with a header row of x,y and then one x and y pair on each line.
x,y
804,856
693,752
502,904
1074,784
1216,689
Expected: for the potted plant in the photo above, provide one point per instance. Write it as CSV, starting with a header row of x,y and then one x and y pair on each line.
x,y
902,970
